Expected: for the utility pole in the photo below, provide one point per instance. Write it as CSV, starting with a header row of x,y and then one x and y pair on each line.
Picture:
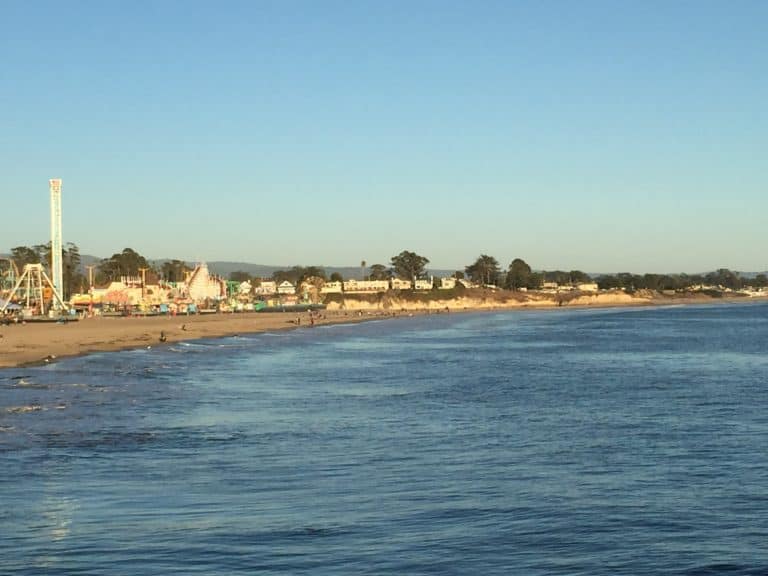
x,y
143,280
90,276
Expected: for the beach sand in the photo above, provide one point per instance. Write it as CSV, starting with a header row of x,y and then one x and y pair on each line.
x,y
34,342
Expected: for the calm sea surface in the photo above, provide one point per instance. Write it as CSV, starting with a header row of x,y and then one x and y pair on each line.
x,y
623,441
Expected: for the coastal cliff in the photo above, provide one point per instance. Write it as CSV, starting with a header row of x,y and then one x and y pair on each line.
x,y
481,300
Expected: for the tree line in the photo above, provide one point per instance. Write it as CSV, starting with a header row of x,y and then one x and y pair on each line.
x,y
407,265
71,270
125,263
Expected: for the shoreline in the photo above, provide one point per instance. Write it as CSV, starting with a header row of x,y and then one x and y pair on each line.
x,y
34,344
38,344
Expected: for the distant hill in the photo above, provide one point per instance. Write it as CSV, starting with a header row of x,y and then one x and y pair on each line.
x,y
224,268
264,271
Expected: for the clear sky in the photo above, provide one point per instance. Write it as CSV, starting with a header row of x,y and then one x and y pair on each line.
x,y
604,136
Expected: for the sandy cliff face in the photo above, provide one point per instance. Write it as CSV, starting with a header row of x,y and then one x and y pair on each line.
x,y
608,298
492,301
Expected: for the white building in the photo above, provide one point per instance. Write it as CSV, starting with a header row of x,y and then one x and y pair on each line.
x,y
266,288
331,288
587,287
286,287
352,286
398,284
447,283
423,285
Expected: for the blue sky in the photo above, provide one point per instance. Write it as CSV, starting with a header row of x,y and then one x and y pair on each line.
x,y
603,136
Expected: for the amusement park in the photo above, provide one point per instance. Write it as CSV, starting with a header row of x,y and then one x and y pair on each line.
x,y
35,292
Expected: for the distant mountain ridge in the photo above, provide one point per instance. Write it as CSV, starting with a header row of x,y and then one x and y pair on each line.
x,y
225,268
264,271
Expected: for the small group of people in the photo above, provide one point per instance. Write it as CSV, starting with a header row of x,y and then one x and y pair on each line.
x,y
311,318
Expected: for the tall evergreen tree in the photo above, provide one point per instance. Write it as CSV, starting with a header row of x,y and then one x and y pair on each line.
x,y
409,265
485,270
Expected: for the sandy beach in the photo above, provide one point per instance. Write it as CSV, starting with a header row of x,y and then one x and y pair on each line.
x,y
33,342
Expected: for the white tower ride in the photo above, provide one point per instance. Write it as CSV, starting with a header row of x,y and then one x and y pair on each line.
x,y
56,264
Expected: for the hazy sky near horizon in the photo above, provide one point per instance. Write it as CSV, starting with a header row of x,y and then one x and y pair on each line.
x,y
594,135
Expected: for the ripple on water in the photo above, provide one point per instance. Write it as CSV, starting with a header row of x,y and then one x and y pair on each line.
x,y
563,442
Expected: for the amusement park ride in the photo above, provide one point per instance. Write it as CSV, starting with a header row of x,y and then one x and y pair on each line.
x,y
33,290
9,272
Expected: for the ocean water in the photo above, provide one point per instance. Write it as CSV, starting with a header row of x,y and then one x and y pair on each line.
x,y
621,441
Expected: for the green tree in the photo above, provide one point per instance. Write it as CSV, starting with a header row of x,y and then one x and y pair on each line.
x,y
336,277
409,265
558,276
760,281
669,282
291,276
24,255
313,272
579,277
174,270
518,275
726,278
297,274
125,263
535,280
485,270
44,252
71,271
608,282
239,276
651,281
379,272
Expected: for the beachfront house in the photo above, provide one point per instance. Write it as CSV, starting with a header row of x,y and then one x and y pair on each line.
x,y
331,288
286,287
399,284
423,284
362,286
266,288
447,283
587,287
